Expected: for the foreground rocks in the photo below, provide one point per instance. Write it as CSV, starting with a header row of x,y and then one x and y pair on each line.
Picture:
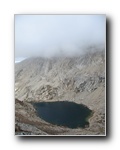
x,y
78,79
27,123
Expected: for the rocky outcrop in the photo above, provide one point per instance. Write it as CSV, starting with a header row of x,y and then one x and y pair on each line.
x,y
89,84
27,129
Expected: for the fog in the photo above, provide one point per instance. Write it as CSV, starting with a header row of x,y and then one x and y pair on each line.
x,y
51,35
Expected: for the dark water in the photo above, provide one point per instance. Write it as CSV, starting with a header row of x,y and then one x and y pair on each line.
x,y
63,113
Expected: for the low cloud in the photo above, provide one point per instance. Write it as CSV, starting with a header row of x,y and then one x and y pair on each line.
x,y
50,35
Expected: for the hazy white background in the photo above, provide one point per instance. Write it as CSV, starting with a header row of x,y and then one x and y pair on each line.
x,y
7,11
50,35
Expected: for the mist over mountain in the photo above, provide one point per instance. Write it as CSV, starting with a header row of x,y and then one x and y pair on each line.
x,y
51,35
34,73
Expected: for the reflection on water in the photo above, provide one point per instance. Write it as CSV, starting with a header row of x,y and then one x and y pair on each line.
x,y
63,113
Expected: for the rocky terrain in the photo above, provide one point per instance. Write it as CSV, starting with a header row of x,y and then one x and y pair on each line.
x,y
79,78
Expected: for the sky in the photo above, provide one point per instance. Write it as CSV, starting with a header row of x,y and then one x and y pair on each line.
x,y
51,35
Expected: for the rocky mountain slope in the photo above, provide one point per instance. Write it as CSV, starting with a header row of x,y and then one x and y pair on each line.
x,y
80,79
